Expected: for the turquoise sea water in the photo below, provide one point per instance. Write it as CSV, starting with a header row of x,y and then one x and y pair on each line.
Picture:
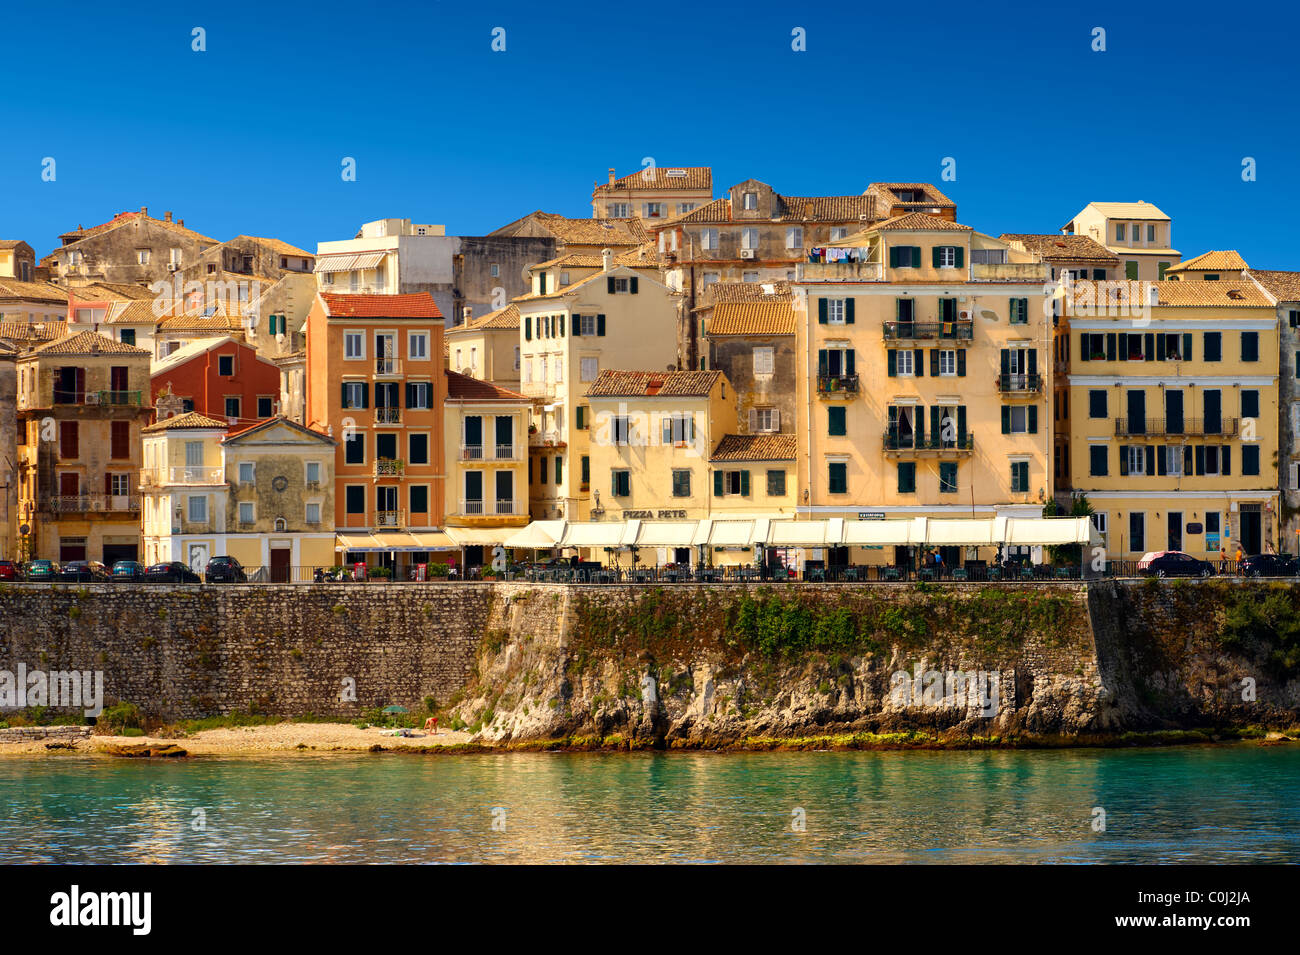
x,y
1238,803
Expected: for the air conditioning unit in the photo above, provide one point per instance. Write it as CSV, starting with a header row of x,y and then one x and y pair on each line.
x,y
92,397
747,253
172,266
964,315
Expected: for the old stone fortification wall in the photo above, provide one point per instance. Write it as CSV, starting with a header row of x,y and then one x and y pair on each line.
x,y
197,651
684,664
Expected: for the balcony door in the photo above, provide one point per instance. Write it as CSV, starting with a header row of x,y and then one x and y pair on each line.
x,y
117,379
69,484
474,436
505,481
902,426
505,429
1137,412
385,352
386,505
1213,412
473,492
1173,412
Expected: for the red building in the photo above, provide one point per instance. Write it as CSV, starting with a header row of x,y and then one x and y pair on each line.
x,y
220,378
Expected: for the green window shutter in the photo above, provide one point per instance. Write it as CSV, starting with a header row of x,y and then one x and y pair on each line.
x,y
600,325
1149,347
609,285
365,394
850,362
916,256
906,477
1131,271
961,257
935,253
632,284
581,415
893,256
1225,460
1161,464
1123,460
1033,361
577,325
1032,416
1160,348
920,425
823,363
891,362
343,397
1187,346
586,469
717,484
961,426
936,423
934,363
822,312
528,328
918,362
559,469
961,363
848,311
1006,361
744,484
1006,419
1110,346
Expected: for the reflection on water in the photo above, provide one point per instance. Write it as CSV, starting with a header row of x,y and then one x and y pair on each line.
x,y
1191,804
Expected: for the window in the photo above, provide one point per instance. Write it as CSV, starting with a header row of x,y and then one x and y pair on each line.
x,y
619,429
313,473
1151,234
264,406
418,449
127,336
945,256
354,448
355,499
765,419
749,238
1133,459
1099,521
835,311
354,345
589,369
678,428
617,210
904,256
120,441
245,472
988,256
1250,404
245,512
1137,531
1119,231
1019,419
906,365
947,477
1250,346
1097,460
685,207
198,509
681,483
749,276
1171,460
794,237
835,420
226,365
1250,459
947,362
776,484
1097,403
1018,311
311,513
764,360
559,468
839,232
907,477
142,256
417,345
119,484
232,407
1019,477
621,483
516,368
419,395
750,201
709,242
652,210
837,477
1214,346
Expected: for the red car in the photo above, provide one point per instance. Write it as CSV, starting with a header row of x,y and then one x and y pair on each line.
x,y
9,570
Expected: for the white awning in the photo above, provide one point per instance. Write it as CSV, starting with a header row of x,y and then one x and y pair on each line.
x,y
800,534
666,533
885,533
1035,531
538,534
977,531
731,534
435,540
480,536
594,534
348,263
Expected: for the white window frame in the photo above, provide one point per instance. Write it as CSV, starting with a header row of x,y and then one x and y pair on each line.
x,y
354,344
709,240
418,352
618,210
749,201
906,363
249,508
839,232
794,237
307,512
249,468
765,420
587,324
764,360
947,257
307,476
835,311
947,363
1021,411
749,237
197,503
589,369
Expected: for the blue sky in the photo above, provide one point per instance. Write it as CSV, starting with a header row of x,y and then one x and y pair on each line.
x,y
248,137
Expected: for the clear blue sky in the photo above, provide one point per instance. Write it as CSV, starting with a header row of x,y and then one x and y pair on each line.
x,y
248,137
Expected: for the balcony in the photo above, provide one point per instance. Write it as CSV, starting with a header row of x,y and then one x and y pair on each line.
x,y
388,366
911,444
925,331
502,507
843,386
840,271
478,452
92,504
132,398
544,439
1033,272
388,416
1017,384
163,477
389,520
538,389
1176,427
389,468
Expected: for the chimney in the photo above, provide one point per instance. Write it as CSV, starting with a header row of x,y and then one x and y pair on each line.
x,y
466,314
167,216
611,175
144,210
607,257
180,222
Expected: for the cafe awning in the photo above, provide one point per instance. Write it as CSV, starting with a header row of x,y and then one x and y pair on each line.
x,y
960,532
594,534
480,536
435,540
888,533
1048,531
396,542
538,535
802,534
666,533
731,534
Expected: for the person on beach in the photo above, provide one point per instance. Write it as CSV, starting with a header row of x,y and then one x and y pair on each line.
x,y
431,726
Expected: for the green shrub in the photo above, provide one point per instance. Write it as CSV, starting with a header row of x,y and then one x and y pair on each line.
x,y
121,716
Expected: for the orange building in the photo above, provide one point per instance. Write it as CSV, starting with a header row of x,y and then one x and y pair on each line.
x,y
375,382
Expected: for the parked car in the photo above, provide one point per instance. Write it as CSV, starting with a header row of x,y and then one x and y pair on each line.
x,y
84,571
1173,563
127,572
40,570
1268,565
10,571
172,572
225,570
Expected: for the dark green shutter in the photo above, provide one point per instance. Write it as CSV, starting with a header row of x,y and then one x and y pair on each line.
x,y
410,395
1110,346
1006,419
1161,463
609,285
919,429
961,363
850,362
936,423
717,484
744,484
961,257
600,325
581,410
1151,458
577,325
916,256
891,362
528,328
1225,460
343,399
821,311
848,311
823,363
893,257
1160,348
1200,459
935,252
1149,349
1033,361
1006,361
632,284
1123,460
1187,346
893,426
1032,415
918,362
934,363
961,426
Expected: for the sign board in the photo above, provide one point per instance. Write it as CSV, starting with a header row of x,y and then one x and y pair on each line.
x,y
871,515
359,570
1211,541
1195,528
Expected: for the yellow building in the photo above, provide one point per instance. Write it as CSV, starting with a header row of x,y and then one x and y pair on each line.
x,y
923,380
486,348
1137,232
485,428
652,193
1173,418
617,317
1215,266
263,495
82,401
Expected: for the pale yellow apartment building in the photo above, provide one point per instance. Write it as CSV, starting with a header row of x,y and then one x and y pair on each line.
x,y
652,193
487,347
1137,232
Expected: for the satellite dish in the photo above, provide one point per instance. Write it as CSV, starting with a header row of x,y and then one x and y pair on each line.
x,y
24,529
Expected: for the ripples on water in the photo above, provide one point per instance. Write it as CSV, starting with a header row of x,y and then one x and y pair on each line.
x,y
1189,804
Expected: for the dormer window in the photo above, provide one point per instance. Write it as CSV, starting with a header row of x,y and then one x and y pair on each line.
x,y
750,201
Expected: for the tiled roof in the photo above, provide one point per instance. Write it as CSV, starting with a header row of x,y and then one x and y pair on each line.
x,y
33,332
601,232
190,419
277,420
719,210
828,208
1241,294
10,243
918,222
680,384
278,245
752,318
505,318
746,292
755,447
110,291
88,343
1283,286
933,197
1128,210
464,388
122,218
1064,247
136,312
197,322
633,258
415,305
32,291
696,177
1215,261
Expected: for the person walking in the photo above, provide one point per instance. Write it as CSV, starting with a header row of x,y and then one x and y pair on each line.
x,y
1223,558
1236,569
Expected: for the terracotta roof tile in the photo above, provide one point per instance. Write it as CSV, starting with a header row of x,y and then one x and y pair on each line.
x,y
1063,247
33,332
121,219
417,305
32,291
190,419
752,318
755,447
1227,260
1239,294
278,245
720,292
933,197
918,222
505,318
464,388
679,384
829,208
1283,286
663,178
88,343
